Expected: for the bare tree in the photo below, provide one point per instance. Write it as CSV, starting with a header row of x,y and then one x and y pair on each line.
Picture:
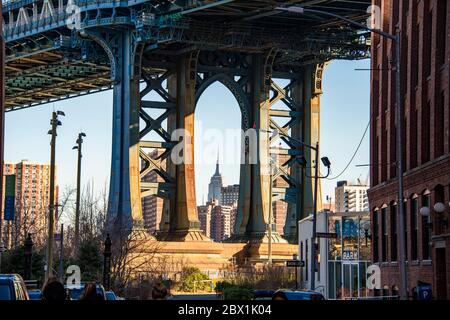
x,y
133,253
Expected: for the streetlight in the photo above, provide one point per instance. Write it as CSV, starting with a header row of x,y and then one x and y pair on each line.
x,y
77,205
326,162
366,231
439,208
51,212
399,124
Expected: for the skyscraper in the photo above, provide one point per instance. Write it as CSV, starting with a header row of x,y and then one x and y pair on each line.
x,y
215,186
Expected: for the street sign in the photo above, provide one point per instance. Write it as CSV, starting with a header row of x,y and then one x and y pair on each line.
x,y
326,235
295,264
10,197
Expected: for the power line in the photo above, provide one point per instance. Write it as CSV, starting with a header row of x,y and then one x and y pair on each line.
x,y
354,154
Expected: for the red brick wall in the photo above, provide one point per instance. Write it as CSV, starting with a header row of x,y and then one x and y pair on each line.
x,y
425,29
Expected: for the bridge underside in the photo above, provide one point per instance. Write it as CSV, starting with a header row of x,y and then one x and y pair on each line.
x,y
158,58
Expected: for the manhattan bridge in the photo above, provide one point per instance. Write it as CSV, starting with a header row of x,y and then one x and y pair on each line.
x,y
175,49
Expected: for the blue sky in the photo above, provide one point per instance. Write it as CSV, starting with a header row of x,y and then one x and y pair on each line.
x,y
344,116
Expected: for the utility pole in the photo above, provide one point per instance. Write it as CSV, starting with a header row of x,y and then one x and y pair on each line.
x,y
399,146
270,218
61,254
51,207
314,220
77,208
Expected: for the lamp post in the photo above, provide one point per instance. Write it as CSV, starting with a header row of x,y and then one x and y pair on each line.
x,y
51,212
77,205
316,177
366,232
399,125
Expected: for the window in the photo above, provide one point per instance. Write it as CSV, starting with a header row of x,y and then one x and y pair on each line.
x,y
384,234
425,230
427,42
393,220
414,229
441,34
376,257
425,125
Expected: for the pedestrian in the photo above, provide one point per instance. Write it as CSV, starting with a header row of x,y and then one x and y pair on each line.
x,y
54,290
90,293
159,291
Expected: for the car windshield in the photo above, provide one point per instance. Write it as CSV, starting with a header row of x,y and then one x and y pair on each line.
x,y
5,292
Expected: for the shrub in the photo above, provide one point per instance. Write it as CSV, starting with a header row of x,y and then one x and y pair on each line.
x,y
192,279
238,293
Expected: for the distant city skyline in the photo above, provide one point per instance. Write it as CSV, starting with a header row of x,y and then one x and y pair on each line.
x,y
26,130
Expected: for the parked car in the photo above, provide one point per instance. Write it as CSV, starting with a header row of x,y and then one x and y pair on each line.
x,y
284,294
76,291
263,294
35,294
12,287
110,295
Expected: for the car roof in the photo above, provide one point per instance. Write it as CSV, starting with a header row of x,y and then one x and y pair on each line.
x,y
298,292
10,277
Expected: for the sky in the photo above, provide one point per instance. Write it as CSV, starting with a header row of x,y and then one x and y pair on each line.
x,y
344,117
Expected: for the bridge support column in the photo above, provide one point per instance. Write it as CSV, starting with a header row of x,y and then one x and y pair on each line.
x,y
306,93
124,209
254,201
184,224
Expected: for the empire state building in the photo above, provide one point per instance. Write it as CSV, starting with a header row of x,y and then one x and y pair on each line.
x,y
215,186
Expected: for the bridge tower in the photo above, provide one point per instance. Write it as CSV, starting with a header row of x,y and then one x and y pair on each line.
x,y
162,55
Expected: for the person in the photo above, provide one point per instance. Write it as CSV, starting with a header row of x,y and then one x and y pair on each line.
x,y
159,291
53,290
90,292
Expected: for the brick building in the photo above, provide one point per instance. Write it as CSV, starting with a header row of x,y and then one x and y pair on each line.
x,y
204,215
221,222
229,195
425,26
32,194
